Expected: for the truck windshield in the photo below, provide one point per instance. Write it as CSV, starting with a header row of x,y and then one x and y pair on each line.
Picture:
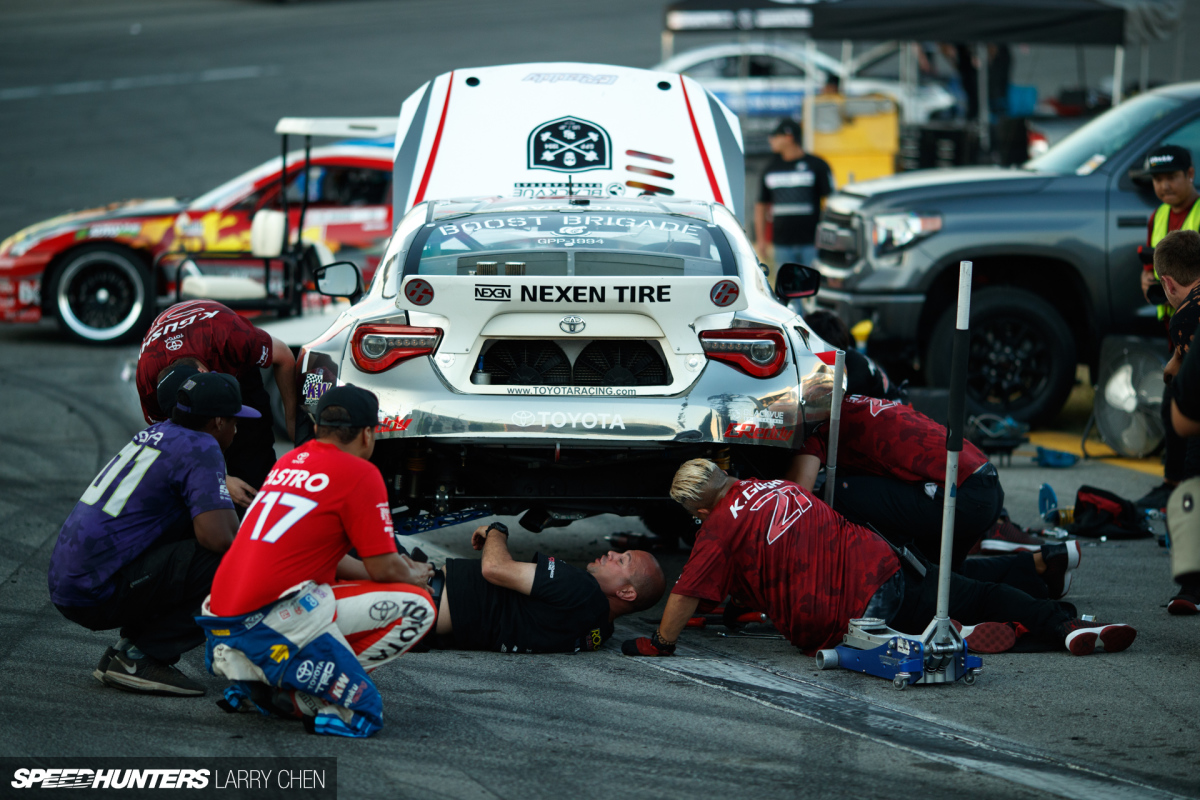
x,y
552,243
1090,146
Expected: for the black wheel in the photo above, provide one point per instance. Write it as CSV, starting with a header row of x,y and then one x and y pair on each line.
x,y
103,293
1022,357
670,521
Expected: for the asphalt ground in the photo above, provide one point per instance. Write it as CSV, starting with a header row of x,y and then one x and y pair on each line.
x,y
726,717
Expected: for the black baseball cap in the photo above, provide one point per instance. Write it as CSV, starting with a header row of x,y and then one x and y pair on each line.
x,y
1167,158
787,126
213,394
168,387
361,405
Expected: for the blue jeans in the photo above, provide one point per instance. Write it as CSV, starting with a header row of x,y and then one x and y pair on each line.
x,y
795,254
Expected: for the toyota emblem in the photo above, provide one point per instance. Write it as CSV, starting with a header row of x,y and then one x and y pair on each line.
x,y
724,294
418,292
523,418
572,324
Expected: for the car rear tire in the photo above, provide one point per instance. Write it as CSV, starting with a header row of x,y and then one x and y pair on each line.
x,y
103,293
1022,357
671,522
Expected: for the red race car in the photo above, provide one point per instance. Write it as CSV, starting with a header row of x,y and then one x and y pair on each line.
x,y
97,271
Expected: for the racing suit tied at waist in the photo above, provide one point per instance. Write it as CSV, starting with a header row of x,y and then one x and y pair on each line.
x,y
294,644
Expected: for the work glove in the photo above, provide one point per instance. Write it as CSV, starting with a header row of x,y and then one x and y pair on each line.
x,y
642,646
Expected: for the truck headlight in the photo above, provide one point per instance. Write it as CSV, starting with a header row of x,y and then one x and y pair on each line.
x,y
893,232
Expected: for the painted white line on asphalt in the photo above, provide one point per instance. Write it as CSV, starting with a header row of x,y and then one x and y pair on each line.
x,y
972,752
139,82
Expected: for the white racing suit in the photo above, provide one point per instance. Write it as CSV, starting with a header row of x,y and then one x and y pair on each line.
x,y
319,642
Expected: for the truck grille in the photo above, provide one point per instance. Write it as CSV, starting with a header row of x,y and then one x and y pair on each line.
x,y
838,240
601,363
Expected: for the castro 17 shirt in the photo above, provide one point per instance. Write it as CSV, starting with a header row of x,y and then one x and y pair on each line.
x,y
772,544
315,505
891,440
201,329
165,475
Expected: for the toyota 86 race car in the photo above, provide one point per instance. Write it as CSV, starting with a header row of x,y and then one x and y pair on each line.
x,y
562,354
95,271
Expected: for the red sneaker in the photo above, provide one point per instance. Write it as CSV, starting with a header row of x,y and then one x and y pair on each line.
x,y
987,637
1081,637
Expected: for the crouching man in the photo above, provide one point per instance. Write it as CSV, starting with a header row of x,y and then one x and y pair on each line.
x,y
141,546
293,620
773,545
539,606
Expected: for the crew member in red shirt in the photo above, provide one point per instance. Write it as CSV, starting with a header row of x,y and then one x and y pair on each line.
x,y
321,500
212,338
894,478
775,546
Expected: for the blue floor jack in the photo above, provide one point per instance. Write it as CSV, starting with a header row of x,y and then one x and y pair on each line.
x,y
939,655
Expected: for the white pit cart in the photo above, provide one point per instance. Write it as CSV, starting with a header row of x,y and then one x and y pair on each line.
x,y
559,342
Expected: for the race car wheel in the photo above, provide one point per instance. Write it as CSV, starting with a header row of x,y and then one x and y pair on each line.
x,y
1022,356
671,522
103,293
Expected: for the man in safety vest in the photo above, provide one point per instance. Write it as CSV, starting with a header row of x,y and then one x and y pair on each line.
x,y
1174,177
1170,166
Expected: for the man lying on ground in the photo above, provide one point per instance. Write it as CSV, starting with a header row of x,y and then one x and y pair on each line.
x,y
140,548
778,549
539,606
293,620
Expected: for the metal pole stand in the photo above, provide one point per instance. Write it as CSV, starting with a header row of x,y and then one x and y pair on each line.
x,y
939,655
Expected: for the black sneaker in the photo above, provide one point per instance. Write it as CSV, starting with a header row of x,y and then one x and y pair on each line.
x,y
1156,497
149,676
1061,559
1187,602
102,667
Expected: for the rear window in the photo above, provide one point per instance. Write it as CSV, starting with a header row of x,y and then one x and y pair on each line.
x,y
585,245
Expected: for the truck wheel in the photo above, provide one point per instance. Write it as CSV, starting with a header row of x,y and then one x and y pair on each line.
x,y
1022,357
103,293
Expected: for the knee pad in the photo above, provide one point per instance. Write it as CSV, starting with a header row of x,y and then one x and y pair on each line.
x,y
1183,521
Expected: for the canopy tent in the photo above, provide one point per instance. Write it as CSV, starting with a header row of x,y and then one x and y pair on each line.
x,y
988,21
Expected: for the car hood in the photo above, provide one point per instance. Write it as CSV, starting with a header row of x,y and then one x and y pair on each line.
x,y
124,209
939,183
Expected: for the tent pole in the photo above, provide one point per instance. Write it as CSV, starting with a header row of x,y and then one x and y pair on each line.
x,y
1118,74
847,57
668,44
985,131
810,99
1144,71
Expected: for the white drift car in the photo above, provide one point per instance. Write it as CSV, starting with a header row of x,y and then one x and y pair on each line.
x,y
561,341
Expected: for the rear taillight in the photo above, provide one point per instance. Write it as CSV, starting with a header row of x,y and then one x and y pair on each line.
x,y
380,347
760,352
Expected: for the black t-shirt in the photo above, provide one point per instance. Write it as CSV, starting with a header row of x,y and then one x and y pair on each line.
x,y
566,612
795,189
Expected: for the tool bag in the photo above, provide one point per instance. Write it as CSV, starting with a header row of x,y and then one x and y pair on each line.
x,y
1102,513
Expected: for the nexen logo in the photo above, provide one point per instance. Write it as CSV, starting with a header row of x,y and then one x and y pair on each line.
x,y
494,293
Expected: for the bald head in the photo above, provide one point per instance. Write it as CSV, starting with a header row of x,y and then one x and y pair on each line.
x,y
633,579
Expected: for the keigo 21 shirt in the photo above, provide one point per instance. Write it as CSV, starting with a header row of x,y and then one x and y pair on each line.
x,y
891,440
316,504
770,543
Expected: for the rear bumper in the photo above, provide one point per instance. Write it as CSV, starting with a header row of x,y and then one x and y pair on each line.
x,y
723,405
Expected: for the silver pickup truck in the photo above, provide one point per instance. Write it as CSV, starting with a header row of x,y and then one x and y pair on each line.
x,y
1054,244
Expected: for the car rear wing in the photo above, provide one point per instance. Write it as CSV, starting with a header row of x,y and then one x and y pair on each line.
x,y
537,130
